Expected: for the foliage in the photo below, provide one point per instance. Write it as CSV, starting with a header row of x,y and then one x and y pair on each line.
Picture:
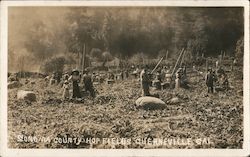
x,y
137,59
96,54
99,56
55,64
239,49
124,32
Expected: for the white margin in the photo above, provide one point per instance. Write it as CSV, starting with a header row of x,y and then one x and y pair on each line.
x,y
121,152
3,78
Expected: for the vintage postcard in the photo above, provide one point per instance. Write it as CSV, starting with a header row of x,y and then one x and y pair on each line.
x,y
127,78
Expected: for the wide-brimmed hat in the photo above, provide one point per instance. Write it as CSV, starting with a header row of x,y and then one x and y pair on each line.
x,y
76,71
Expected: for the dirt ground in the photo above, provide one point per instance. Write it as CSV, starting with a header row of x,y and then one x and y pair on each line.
x,y
217,118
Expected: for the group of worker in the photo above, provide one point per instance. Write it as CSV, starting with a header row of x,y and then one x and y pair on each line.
x,y
75,78
121,75
218,76
145,77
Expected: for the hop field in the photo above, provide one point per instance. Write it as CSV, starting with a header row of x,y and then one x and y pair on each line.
x,y
113,114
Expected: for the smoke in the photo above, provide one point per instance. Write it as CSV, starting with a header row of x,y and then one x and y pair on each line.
x,y
34,34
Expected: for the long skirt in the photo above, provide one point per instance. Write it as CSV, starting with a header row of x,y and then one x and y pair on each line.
x,y
76,90
145,89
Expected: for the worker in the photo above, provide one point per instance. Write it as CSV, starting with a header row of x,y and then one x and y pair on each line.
x,y
88,83
217,64
13,77
184,69
65,77
66,90
157,82
234,63
52,79
179,71
126,74
122,74
145,81
75,77
177,81
58,77
220,71
224,81
159,75
136,72
209,81
111,76
179,74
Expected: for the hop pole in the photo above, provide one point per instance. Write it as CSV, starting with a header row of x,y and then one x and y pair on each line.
x,y
176,64
157,65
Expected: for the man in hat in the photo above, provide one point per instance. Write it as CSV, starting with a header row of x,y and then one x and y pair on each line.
x,y
88,84
145,81
75,77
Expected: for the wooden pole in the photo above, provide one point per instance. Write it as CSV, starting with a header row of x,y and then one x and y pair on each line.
x,y
83,56
142,56
157,65
182,58
177,61
78,60
166,58
167,55
206,64
221,55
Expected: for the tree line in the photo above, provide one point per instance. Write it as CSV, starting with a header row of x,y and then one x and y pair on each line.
x,y
123,32
126,31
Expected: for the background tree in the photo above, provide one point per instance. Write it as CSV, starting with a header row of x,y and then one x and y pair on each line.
x,y
55,64
239,50
126,31
99,56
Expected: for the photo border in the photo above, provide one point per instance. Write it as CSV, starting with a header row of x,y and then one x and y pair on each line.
x,y
5,151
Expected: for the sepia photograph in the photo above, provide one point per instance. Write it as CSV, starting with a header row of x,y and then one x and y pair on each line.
x,y
126,77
